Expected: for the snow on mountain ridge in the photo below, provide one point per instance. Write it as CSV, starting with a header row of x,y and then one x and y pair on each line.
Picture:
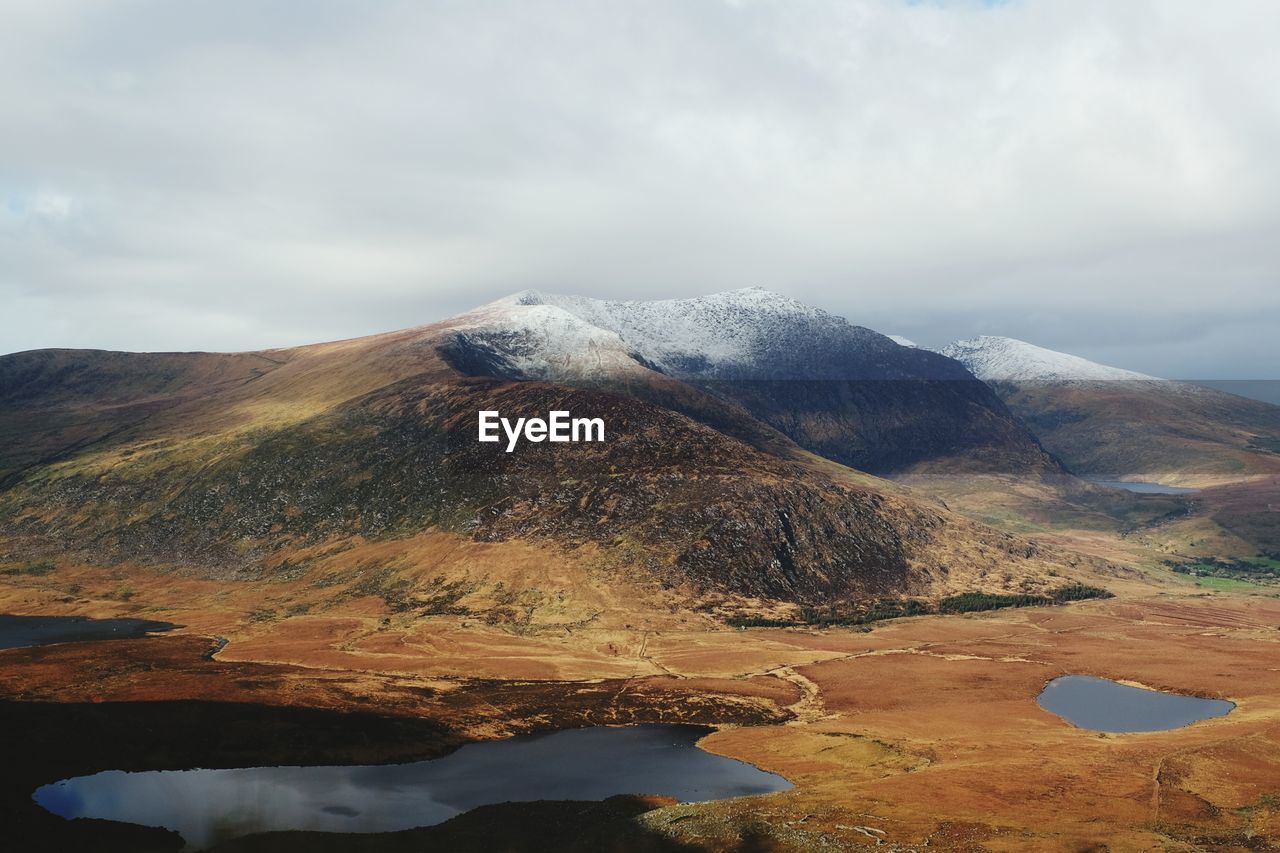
x,y
539,341
748,334
998,359
754,365
673,334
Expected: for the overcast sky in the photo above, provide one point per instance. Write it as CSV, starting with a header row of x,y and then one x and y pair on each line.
x,y
1097,176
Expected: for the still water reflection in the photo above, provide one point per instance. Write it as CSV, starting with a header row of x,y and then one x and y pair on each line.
x,y
1106,706
18,631
1146,488
207,806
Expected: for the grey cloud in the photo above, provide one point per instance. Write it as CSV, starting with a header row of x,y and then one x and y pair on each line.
x,y
1090,175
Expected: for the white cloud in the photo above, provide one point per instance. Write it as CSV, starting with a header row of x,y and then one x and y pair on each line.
x,y
49,204
1087,174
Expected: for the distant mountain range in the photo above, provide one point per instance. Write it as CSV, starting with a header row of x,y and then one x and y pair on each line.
x,y
1111,423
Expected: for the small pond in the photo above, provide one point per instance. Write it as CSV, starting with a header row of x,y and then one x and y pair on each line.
x,y
208,806
18,631
1145,488
1106,706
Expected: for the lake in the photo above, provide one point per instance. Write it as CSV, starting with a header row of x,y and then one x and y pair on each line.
x,y
208,806
1106,706
1144,488
18,631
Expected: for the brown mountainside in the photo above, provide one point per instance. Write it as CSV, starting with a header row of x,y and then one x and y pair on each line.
x,y
229,464
1157,431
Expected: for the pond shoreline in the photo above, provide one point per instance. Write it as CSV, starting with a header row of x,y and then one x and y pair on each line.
x,y
256,719
589,764
26,631
1120,707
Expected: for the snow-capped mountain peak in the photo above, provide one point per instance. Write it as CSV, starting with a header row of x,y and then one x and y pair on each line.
x,y
706,334
997,359
523,336
740,334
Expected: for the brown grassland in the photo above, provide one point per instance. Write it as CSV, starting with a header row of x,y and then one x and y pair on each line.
x,y
920,732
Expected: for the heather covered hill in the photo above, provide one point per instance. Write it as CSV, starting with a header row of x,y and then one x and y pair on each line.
x,y
56,402
681,499
233,465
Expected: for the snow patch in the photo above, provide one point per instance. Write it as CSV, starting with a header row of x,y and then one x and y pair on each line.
x,y
537,341
674,335
996,359
748,334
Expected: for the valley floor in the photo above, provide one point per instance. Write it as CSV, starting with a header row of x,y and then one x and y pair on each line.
x,y
921,732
